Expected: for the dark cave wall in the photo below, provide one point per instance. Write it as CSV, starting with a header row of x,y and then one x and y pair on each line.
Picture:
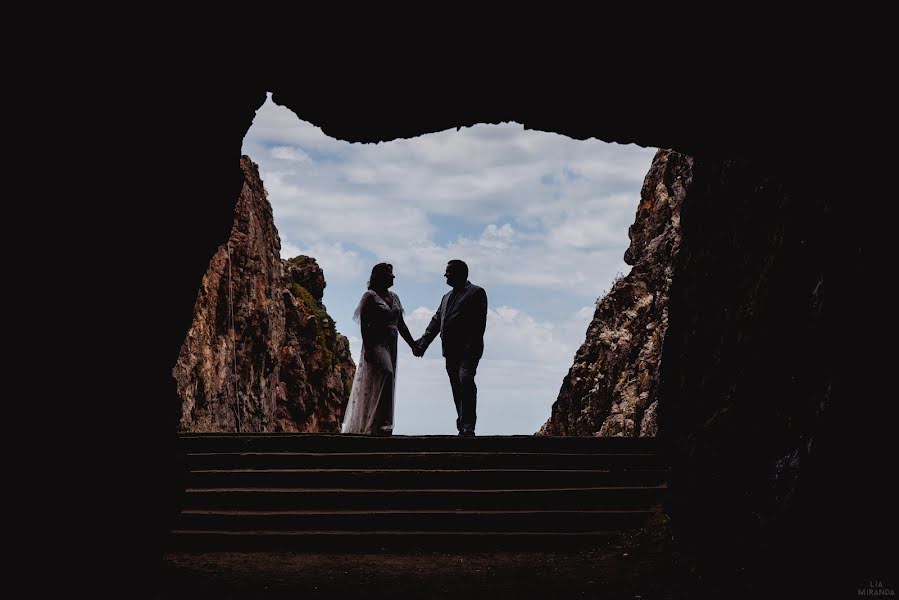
x,y
184,180
746,378
747,374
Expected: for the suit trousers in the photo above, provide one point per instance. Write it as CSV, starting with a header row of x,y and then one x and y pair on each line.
x,y
461,373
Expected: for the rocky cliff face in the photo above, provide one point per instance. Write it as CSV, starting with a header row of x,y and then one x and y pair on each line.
x,y
262,354
611,390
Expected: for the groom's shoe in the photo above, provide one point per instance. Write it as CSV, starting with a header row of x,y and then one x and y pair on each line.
x,y
467,433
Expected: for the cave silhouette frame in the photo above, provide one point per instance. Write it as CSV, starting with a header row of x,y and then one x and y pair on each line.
x,y
548,416
698,132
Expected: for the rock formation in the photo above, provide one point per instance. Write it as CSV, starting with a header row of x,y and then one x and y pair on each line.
x,y
262,354
611,389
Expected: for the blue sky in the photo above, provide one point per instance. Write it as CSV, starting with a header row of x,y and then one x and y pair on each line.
x,y
540,219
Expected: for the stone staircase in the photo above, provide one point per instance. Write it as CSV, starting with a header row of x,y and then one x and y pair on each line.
x,y
318,492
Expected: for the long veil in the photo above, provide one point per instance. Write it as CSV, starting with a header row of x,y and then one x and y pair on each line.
x,y
368,384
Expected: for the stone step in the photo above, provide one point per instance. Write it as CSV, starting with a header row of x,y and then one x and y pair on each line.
x,y
375,541
420,480
630,498
421,460
346,493
413,520
324,443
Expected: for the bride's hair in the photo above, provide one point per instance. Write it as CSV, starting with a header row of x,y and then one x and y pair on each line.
x,y
378,272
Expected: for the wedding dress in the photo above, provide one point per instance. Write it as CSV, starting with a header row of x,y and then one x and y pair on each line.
x,y
370,407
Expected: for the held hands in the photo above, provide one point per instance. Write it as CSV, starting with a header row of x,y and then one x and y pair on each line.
x,y
417,349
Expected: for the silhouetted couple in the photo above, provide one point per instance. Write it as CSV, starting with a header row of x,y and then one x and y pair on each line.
x,y
460,320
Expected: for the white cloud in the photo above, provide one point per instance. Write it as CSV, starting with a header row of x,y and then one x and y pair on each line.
x,y
524,188
337,263
419,316
511,335
280,125
585,233
497,237
585,313
289,250
475,161
508,403
289,153
503,256
514,334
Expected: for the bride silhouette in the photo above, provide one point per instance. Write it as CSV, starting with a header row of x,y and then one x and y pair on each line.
x,y
380,315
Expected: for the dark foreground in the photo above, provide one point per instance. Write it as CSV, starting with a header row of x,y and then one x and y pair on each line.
x,y
637,565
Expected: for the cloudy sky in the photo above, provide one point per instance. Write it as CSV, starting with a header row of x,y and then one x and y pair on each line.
x,y
540,219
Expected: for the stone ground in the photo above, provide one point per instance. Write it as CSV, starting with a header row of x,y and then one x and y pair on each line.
x,y
637,565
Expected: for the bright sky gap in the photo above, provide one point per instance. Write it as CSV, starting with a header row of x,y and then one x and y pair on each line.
x,y
540,219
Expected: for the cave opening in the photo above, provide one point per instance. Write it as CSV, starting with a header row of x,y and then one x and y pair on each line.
x,y
542,220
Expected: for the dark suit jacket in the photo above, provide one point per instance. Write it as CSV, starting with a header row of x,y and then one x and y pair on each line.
x,y
461,327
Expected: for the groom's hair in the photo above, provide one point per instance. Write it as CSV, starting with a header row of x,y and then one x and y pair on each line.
x,y
460,266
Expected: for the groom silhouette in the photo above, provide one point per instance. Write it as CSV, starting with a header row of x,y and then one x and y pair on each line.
x,y
460,320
